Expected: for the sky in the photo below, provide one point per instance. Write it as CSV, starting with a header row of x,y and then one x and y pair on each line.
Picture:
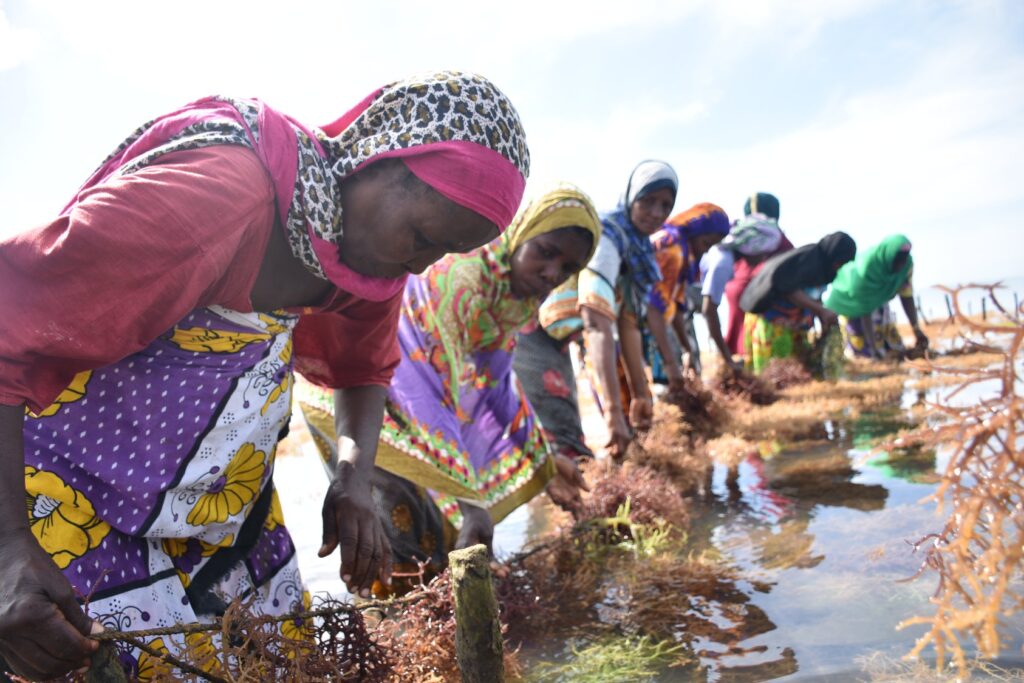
x,y
868,116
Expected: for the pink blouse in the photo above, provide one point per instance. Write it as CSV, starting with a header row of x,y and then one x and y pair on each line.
x,y
137,253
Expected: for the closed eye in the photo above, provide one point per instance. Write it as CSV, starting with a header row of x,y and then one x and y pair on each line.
x,y
421,243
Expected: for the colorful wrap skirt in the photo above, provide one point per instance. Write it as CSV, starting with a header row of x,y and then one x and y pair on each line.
x,y
545,371
150,481
887,336
765,338
418,532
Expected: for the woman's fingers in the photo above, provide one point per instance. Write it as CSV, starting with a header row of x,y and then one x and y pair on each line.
x,y
330,533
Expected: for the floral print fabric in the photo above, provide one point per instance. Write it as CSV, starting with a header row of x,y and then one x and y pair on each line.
x,y
154,473
457,420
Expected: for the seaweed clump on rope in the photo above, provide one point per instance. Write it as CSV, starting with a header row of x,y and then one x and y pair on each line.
x,y
698,408
420,633
745,386
323,640
671,449
978,554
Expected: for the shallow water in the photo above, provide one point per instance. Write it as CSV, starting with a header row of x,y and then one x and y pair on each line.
x,y
820,536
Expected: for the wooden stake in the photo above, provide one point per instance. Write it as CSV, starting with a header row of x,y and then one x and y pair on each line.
x,y
478,643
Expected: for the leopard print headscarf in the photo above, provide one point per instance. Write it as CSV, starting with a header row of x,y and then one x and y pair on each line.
x,y
308,165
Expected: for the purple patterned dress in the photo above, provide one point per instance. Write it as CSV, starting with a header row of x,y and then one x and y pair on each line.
x,y
152,488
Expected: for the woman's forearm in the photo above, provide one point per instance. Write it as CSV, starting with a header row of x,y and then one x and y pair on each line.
x,y
12,469
710,311
633,357
911,310
868,327
358,416
800,298
599,338
659,330
679,326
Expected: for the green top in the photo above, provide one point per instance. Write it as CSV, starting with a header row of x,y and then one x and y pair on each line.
x,y
868,282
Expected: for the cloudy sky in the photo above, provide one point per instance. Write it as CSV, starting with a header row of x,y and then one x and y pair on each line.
x,y
868,116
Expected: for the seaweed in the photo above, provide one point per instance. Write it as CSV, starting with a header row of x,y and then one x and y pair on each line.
x,y
747,387
978,554
322,640
785,372
672,449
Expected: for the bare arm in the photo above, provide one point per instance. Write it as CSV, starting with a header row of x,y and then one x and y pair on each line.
x,y
681,328
867,324
349,515
642,403
799,298
12,469
600,342
656,321
42,627
910,308
709,309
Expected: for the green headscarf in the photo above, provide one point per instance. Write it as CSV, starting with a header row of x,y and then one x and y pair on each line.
x,y
868,282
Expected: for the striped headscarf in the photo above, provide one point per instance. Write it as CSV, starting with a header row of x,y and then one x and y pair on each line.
x,y
762,202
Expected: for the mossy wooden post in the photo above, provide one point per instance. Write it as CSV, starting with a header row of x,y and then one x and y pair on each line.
x,y
478,644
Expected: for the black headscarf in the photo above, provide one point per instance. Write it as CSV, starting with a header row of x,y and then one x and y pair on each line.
x,y
812,265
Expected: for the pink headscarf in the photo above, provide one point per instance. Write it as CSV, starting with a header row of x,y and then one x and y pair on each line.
x,y
456,132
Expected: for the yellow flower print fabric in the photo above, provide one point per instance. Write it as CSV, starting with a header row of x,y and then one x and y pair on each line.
x,y
232,491
61,518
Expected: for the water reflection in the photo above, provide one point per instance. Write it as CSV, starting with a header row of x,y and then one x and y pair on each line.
x,y
806,549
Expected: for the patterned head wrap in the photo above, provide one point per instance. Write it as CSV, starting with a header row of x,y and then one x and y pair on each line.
x,y
754,235
562,207
456,132
762,202
701,219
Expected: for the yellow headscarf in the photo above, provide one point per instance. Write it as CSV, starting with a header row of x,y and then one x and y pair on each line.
x,y
562,207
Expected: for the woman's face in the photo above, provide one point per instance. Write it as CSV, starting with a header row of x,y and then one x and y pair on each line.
x,y
901,260
396,224
651,211
546,261
700,244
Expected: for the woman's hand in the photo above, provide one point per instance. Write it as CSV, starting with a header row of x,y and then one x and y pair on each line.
x,y
42,628
641,412
921,342
828,318
477,527
619,434
350,520
690,368
676,382
564,488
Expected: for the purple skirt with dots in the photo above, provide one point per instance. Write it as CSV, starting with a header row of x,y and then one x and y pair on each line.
x,y
149,481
